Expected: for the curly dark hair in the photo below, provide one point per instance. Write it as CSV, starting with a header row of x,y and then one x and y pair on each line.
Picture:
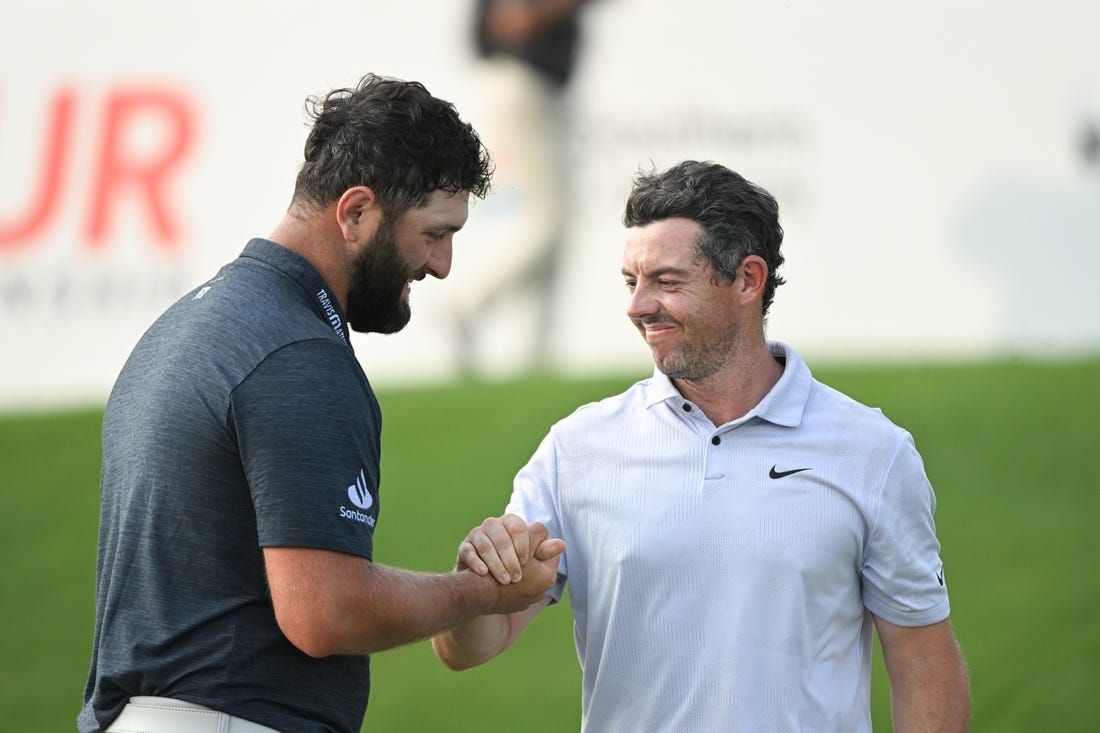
x,y
394,137
738,217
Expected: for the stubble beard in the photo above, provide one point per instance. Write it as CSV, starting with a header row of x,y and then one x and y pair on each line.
x,y
697,361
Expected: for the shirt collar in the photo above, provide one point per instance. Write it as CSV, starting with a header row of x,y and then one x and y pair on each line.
x,y
783,405
300,270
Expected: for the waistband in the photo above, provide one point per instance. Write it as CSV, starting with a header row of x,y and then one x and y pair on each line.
x,y
145,714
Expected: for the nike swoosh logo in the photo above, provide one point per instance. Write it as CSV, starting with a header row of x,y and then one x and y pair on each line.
x,y
780,474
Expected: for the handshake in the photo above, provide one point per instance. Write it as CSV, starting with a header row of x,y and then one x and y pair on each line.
x,y
521,558
514,564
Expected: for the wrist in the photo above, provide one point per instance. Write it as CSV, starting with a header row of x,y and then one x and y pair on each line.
x,y
478,594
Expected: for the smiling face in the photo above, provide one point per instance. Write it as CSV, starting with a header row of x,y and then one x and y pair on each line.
x,y
692,321
417,244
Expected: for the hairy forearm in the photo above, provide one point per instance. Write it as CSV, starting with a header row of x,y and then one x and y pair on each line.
x,y
332,603
406,606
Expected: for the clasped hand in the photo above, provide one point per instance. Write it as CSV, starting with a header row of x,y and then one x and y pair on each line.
x,y
509,549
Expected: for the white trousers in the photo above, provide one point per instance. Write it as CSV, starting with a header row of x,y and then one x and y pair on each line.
x,y
167,715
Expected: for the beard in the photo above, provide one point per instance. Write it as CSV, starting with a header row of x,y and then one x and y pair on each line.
x,y
378,278
690,364
694,360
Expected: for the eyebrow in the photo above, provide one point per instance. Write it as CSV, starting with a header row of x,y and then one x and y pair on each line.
x,y
659,272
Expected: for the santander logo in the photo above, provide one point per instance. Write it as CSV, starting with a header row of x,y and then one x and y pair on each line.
x,y
358,493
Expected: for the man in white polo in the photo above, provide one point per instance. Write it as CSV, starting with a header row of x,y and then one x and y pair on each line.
x,y
734,529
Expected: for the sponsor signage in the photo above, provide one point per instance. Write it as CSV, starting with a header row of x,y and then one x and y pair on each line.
x,y
916,188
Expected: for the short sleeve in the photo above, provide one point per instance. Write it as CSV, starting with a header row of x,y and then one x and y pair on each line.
x,y
903,576
533,499
309,431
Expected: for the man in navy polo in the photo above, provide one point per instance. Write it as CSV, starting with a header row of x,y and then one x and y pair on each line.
x,y
235,587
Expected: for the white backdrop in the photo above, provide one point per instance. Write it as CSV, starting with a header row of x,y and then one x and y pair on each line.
x,y
928,161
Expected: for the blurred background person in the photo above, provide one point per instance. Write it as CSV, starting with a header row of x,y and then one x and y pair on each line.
x,y
528,51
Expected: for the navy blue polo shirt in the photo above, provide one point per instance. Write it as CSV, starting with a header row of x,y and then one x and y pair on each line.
x,y
241,420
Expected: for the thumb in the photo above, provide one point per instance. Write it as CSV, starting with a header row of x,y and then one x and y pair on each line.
x,y
537,533
549,548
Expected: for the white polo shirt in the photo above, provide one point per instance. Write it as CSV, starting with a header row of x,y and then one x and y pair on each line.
x,y
721,577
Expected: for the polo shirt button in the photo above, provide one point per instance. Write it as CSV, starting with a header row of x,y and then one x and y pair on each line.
x,y
716,440
687,407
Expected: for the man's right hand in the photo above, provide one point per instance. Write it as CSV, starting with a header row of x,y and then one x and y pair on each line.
x,y
521,557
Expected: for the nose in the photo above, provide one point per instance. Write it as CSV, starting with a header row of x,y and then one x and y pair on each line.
x,y
439,261
641,302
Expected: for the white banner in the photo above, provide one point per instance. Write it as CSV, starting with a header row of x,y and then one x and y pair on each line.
x,y
937,168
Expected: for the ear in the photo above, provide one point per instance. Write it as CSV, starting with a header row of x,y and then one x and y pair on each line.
x,y
754,276
358,214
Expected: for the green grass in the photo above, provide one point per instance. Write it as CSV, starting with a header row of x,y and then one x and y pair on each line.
x,y
1011,449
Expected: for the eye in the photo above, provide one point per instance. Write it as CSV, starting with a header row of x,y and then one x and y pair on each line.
x,y
630,285
436,236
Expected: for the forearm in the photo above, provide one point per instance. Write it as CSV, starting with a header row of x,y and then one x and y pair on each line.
x,y
929,690
332,603
472,643
481,638
405,606
937,703
329,603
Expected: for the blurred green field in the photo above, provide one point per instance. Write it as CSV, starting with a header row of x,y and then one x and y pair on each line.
x,y
1012,449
